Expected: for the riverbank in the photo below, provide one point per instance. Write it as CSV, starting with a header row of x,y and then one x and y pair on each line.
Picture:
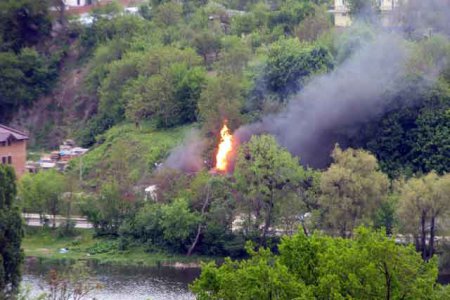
x,y
46,244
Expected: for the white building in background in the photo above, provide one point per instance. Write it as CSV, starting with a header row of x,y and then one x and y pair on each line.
x,y
78,2
342,15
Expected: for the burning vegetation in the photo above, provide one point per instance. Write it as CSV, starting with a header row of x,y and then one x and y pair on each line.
x,y
224,149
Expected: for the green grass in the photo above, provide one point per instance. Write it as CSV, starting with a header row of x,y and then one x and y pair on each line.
x,y
140,147
45,244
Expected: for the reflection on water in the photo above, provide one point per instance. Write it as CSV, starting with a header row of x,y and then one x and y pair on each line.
x,y
122,282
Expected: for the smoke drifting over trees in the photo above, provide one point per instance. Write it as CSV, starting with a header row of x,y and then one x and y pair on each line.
x,y
419,17
331,108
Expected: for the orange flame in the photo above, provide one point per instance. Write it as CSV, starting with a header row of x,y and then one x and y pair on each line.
x,y
225,147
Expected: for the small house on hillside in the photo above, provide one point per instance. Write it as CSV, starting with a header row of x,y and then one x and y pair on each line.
x,y
13,148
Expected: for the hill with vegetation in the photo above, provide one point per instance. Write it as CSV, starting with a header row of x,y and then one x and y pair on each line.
x,y
335,130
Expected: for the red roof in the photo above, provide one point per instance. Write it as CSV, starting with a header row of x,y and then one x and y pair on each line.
x,y
8,132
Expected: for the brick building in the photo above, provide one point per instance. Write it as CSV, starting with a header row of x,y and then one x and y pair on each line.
x,y
13,148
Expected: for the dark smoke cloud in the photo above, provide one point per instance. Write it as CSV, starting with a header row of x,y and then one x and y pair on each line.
x,y
332,107
187,157
351,94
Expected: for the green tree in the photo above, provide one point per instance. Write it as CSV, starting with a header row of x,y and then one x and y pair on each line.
x,y
289,63
104,29
178,224
25,76
23,23
107,210
260,277
423,201
289,14
167,89
351,190
369,266
244,24
386,215
170,226
170,97
234,57
413,139
11,233
120,72
221,99
42,193
207,43
211,197
363,8
168,13
267,175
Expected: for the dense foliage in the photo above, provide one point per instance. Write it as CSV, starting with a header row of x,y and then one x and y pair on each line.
x,y
23,23
25,72
11,232
369,266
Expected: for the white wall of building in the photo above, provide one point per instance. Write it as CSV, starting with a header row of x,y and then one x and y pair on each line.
x,y
77,2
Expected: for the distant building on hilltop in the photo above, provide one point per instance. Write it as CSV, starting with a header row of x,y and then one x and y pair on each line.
x,y
13,149
77,2
342,13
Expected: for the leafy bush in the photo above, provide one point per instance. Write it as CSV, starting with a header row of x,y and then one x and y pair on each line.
x,y
168,226
103,247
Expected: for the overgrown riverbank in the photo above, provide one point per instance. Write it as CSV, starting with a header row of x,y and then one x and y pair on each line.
x,y
46,244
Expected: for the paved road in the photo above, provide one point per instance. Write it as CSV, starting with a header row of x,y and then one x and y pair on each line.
x,y
35,221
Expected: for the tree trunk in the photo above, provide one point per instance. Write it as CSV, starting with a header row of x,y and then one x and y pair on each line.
x,y
344,230
387,278
417,242
197,237
431,241
305,230
267,223
257,215
268,219
54,220
423,246
200,225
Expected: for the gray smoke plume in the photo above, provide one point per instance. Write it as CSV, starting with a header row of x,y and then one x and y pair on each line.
x,y
351,94
187,157
335,105
424,17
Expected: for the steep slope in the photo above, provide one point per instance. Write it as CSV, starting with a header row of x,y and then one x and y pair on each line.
x,y
54,117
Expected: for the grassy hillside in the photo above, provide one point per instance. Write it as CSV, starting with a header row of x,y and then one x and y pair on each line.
x,y
127,149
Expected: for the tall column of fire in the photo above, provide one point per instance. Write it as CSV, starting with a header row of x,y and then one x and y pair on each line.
x,y
224,150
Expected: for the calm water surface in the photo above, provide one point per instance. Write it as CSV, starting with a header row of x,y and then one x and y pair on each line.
x,y
123,282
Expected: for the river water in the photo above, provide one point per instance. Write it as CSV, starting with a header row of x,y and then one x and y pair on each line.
x,y
128,282
121,282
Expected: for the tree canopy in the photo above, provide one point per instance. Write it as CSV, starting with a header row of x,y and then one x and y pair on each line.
x,y
368,266
11,233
